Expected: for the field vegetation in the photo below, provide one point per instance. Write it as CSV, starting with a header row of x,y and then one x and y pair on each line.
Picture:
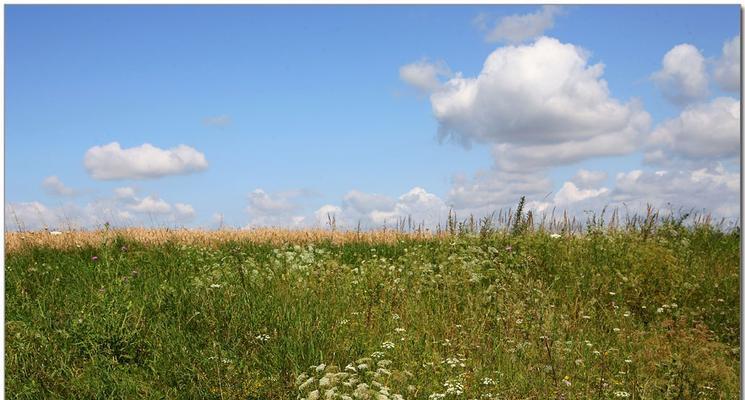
x,y
646,308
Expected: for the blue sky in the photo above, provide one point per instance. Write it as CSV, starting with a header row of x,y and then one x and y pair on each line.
x,y
309,103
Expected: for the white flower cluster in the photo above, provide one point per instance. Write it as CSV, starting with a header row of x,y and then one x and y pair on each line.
x,y
363,379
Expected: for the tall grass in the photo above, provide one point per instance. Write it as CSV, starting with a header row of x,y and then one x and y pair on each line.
x,y
637,308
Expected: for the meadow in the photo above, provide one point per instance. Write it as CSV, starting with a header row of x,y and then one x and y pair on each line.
x,y
641,311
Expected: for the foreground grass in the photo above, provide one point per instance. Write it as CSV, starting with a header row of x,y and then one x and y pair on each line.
x,y
604,315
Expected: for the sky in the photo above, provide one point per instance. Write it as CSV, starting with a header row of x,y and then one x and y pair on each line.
x,y
253,115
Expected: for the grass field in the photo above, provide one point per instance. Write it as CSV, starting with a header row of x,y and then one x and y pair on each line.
x,y
633,313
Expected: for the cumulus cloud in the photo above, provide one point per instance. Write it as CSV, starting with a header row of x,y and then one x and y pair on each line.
x,y
424,76
374,210
126,193
30,216
365,203
123,209
150,205
492,190
184,212
712,188
570,194
727,67
327,212
540,104
683,78
54,186
112,162
703,131
418,204
275,209
126,201
518,28
585,179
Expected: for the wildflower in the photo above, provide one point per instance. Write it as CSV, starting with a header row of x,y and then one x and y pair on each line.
x,y
567,381
400,330
488,381
94,258
627,361
377,354
555,236
660,309
388,345
620,393
55,233
263,337
306,383
627,314
215,286
384,363
612,293
616,330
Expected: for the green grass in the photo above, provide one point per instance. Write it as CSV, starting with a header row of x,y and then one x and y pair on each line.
x,y
526,316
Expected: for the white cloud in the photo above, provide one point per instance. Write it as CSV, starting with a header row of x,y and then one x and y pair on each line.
x,y
261,202
110,162
727,67
118,211
518,28
126,193
150,205
585,179
712,188
218,120
364,203
278,209
326,212
570,194
424,76
492,190
30,216
539,104
682,79
184,212
53,185
374,210
708,131
418,204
